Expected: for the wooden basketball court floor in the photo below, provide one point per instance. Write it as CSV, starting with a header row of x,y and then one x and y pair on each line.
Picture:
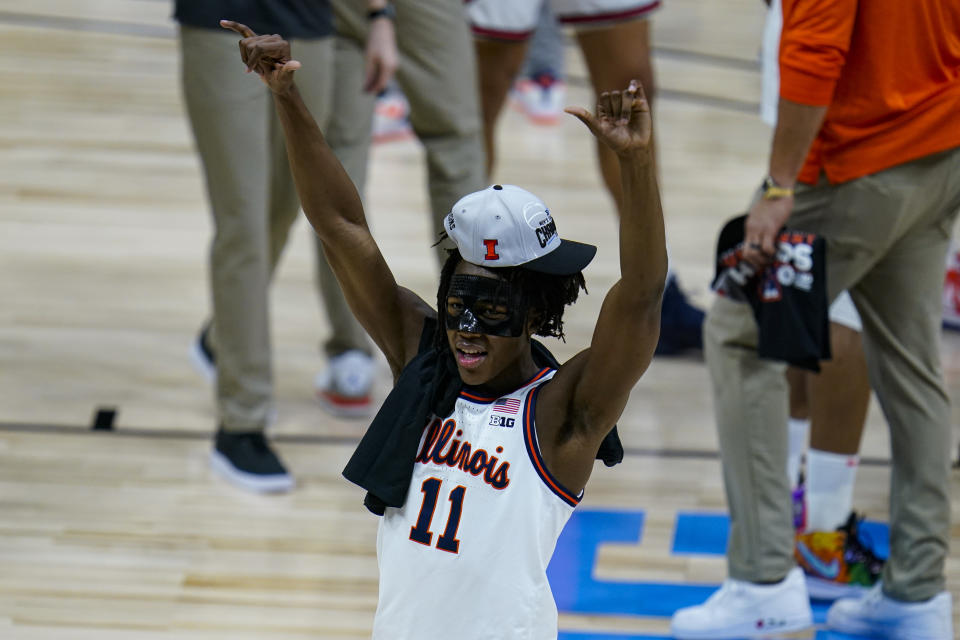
x,y
103,236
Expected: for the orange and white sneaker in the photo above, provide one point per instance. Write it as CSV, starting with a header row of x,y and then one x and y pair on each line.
x,y
541,98
343,389
391,117
951,290
837,564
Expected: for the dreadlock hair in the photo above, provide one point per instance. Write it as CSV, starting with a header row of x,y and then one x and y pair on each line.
x,y
546,294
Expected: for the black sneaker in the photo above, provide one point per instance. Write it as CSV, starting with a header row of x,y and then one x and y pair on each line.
x,y
681,323
202,357
247,460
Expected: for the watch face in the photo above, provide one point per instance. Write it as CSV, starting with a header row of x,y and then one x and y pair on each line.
x,y
772,191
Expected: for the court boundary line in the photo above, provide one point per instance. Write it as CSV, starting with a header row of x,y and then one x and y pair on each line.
x,y
322,440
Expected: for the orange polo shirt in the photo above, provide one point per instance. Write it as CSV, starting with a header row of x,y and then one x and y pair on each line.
x,y
889,71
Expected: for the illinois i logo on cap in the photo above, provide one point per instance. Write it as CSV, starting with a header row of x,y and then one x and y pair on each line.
x,y
506,226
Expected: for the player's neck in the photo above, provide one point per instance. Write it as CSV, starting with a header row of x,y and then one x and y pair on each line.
x,y
512,378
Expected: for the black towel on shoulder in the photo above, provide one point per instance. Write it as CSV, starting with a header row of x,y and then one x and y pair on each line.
x,y
429,384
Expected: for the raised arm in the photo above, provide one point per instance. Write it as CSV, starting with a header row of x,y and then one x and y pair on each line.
x,y
591,390
392,315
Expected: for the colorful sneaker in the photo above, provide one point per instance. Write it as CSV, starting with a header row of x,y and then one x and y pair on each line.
x,y
344,387
746,610
390,117
541,98
877,616
799,507
837,563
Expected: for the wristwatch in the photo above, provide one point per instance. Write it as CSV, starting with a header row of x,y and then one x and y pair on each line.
x,y
386,11
772,191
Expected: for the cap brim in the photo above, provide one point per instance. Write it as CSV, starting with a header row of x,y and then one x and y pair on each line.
x,y
569,258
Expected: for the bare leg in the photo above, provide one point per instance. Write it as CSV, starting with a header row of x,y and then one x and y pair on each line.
x,y
498,62
830,406
799,402
839,395
615,56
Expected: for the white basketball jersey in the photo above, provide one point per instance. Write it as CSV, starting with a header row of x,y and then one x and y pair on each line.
x,y
466,556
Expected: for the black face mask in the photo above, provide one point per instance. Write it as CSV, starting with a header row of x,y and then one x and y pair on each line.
x,y
484,305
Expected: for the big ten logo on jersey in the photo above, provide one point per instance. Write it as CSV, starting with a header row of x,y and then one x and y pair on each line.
x,y
792,265
502,421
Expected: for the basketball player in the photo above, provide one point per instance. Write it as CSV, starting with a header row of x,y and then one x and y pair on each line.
x,y
498,471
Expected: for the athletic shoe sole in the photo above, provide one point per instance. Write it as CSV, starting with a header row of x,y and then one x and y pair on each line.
x,y
344,407
279,483
745,630
544,120
821,589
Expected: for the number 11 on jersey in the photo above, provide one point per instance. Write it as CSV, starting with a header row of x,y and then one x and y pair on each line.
x,y
421,531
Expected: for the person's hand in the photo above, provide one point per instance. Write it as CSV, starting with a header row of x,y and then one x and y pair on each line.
x,y
380,56
268,56
622,120
761,228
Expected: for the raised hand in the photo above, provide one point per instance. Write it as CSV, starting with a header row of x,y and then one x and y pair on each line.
x,y
622,120
268,56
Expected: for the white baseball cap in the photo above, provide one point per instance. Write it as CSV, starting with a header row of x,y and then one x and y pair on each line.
x,y
506,226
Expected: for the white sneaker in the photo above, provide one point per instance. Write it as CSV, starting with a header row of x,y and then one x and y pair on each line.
x,y
746,610
344,387
879,616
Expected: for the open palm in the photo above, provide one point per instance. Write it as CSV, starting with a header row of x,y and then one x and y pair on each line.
x,y
622,120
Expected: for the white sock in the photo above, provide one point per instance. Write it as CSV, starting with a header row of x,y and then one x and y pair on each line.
x,y
798,434
829,489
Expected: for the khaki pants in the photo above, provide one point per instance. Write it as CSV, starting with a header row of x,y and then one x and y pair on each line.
x,y
437,74
254,202
887,235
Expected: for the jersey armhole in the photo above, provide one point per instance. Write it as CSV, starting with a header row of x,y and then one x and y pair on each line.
x,y
533,451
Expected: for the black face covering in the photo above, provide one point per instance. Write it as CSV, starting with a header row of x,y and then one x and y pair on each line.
x,y
484,305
